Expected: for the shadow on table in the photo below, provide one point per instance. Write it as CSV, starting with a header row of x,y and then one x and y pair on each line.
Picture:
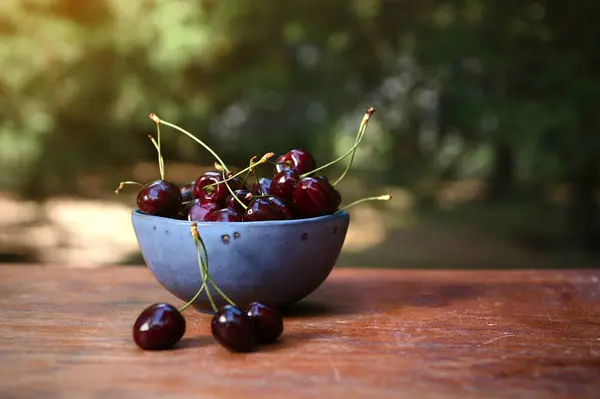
x,y
354,296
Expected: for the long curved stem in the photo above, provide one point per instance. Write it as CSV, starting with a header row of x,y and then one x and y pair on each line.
x,y
156,119
385,197
361,133
359,136
205,275
209,277
226,172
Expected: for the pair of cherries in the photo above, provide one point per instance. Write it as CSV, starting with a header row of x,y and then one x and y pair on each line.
x,y
292,193
161,326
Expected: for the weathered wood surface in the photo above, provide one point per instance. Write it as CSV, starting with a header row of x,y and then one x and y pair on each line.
x,y
66,333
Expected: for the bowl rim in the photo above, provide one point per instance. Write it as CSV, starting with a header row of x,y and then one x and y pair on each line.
x,y
343,214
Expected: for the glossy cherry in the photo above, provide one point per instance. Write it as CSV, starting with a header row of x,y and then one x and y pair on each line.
x,y
285,207
217,193
268,324
187,192
242,194
262,187
225,215
200,210
314,196
233,329
159,198
159,326
283,184
299,160
261,209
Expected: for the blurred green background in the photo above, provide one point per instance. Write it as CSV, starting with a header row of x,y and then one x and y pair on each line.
x,y
487,128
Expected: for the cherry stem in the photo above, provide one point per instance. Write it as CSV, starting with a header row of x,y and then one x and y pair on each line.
x,y
252,164
208,276
385,197
351,151
248,169
156,119
123,183
161,166
359,136
226,172
203,266
161,161
200,263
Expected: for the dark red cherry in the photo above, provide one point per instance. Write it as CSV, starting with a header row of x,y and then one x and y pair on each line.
x,y
231,327
232,203
218,193
285,207
260,209
200,210
187,192
314,196
225,215
283,184
268,324
159,326
264,183
299,160
159,198
338,198
262,187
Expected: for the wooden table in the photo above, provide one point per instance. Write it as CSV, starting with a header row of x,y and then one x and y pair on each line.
x,y
66,333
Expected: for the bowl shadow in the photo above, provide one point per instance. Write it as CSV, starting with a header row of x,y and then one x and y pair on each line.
x,y
357,296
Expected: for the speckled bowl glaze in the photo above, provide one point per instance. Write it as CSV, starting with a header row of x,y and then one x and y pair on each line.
x,y
274,262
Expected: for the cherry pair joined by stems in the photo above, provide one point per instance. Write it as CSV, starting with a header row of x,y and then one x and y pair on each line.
x,y
161,326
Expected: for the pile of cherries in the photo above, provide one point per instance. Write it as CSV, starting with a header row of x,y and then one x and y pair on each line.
x,y
294,191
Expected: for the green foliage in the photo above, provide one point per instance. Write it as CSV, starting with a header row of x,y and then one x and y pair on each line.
x,y
78,80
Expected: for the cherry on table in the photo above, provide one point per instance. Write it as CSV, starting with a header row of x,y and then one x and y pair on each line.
x,y
159,198
159,326
268,324
232,328
299,160
314,196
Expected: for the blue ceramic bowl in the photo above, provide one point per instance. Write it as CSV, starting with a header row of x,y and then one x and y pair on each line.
x,y
274,262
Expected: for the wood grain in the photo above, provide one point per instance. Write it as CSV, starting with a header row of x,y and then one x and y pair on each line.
x,y
66,333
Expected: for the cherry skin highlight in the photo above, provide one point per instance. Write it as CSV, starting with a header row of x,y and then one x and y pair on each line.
x,y
187,192
268,324
231,327
299,160
261,209
159,198
314,196
218,193
242,195
285,207
225,215
200,210
283,184
159,326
